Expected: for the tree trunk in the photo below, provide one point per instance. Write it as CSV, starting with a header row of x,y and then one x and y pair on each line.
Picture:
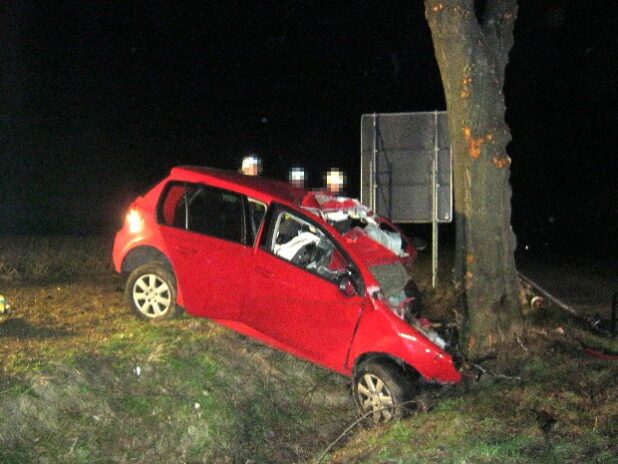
x,y
472,55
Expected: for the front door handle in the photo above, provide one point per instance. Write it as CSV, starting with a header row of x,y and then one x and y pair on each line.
x,y
263,271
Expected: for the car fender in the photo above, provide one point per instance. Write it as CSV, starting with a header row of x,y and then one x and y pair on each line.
x,y
158,253
381,332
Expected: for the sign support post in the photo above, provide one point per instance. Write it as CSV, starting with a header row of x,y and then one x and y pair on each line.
x,y
434,206
374,165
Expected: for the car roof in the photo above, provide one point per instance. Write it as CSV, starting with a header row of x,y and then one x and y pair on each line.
x,y
260,188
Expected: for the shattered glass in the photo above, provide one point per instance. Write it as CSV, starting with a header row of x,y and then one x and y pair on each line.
x,y
392,278
308,247
343,212
390,240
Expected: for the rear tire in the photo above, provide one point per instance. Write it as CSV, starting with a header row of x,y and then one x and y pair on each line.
x,y
151,292
383,391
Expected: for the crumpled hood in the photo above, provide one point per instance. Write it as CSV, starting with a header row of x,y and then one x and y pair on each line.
x,y
371,252
374,245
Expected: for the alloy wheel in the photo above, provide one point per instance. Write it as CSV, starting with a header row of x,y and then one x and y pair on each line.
x,y
151,295
375,397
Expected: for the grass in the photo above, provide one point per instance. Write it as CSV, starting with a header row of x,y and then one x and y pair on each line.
x,y
563,410
83,381
549,403
167,393
53,258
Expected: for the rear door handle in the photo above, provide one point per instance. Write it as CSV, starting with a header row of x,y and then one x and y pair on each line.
x,y
263,271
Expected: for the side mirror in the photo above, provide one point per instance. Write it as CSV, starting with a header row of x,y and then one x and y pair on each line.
x,y
346,286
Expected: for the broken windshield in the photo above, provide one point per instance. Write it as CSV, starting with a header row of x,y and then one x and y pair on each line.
x,y
392,278
349,216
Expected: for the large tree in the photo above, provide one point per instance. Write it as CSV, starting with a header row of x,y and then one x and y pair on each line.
x,y
472,40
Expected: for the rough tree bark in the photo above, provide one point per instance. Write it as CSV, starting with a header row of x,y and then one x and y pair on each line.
x,y
472,49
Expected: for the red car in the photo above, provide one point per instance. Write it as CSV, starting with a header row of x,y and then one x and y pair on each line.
x,y
265,259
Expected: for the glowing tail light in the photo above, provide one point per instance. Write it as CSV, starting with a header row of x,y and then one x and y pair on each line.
x,y
135,221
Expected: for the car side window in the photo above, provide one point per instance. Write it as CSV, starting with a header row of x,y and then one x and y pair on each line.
x,y
305,245
204,209
172,211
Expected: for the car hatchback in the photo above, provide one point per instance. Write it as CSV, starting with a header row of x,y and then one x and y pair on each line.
x,y
320,277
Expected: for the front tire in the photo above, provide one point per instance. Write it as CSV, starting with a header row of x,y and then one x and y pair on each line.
x,y
382,391
151,292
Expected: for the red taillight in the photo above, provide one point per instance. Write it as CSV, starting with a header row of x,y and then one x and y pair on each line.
x,y
135,221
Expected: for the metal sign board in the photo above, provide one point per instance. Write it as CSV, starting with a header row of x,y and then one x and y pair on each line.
x,y
406,166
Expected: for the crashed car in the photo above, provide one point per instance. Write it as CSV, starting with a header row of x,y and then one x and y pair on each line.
x,y
320,277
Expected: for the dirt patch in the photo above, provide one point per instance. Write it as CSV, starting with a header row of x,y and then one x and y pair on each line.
x,y
60,317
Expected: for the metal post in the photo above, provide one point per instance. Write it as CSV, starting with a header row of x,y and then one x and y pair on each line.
x,y
434,207
374,166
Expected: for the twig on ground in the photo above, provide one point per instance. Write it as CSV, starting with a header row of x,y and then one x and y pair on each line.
x,y
73,446
486,357
354,424
480,368
521,344
506,377
343,434
482,371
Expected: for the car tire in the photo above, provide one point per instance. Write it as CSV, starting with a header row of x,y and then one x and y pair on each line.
x,y
383,391
151,292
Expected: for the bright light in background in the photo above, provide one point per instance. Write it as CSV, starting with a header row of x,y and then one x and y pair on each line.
x,y
135,221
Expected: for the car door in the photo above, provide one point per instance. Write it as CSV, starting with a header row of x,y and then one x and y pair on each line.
x,y
295,296
205,232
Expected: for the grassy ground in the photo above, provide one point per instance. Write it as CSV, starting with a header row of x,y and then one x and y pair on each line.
x,y
559,408
83,381
548,402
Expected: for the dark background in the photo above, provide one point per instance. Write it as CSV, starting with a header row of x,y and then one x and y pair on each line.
x,y
99,100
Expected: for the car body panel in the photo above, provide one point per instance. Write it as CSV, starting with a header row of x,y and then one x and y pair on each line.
x,y
260,188
408,247
381,332
211,272
302,310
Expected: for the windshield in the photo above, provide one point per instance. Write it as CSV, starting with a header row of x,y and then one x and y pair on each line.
x,y
391,277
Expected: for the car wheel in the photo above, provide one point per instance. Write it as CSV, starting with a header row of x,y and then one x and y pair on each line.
x,y
151,292
382,391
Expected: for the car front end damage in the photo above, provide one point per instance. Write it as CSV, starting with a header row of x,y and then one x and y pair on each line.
x,y
395,326
355,221
381,332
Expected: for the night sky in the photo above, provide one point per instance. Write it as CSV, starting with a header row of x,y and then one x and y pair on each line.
x,y
100,99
